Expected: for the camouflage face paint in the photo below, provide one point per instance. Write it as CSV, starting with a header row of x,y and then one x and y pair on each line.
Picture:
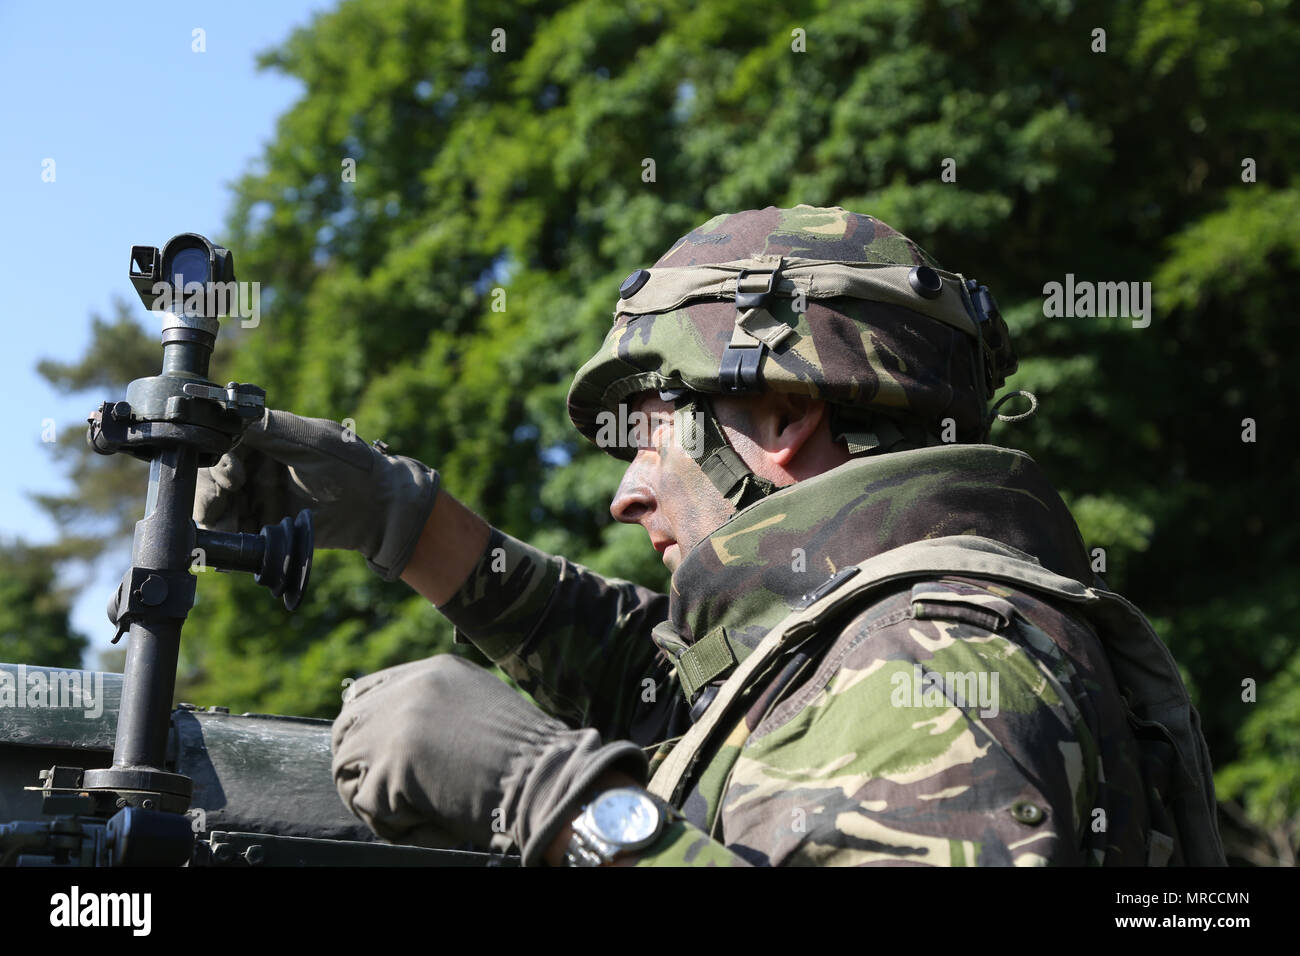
x,y
664,490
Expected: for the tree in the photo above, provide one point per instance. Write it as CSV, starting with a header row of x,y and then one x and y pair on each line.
x,y
107,497
34,625
439,227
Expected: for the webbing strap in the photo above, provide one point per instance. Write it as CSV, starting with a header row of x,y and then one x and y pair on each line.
x,y
703,661
860,443
1160,847
705,441
671,287
866,432
760,325
674,771
1135,653
876,571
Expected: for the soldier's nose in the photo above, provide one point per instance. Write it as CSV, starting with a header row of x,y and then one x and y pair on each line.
x,y
634,498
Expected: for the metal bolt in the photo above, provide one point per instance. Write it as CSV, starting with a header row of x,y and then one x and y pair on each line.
x,y
120,802
146,804
121,411
254,854
223,853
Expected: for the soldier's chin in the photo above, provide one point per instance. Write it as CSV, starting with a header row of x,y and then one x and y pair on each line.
x,y
672,556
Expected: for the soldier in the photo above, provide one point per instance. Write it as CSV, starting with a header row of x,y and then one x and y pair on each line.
x,y
883,643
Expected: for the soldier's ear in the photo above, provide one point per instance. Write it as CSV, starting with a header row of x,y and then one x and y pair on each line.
x,y
791,422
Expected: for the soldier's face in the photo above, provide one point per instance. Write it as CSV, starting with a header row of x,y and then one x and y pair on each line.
x,y
664,489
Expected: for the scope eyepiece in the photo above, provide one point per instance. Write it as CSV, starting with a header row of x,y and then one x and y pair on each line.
x,y
189,264
188,275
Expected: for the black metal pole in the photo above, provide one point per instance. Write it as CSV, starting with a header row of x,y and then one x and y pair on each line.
x,y
177,420
164,540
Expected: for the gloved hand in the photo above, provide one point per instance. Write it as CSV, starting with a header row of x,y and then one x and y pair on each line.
x,y
443,742
361,499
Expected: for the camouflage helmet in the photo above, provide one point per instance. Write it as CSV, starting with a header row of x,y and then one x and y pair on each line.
x,y
818,301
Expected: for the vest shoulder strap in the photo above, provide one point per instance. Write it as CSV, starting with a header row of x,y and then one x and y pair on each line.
x,y
1140,661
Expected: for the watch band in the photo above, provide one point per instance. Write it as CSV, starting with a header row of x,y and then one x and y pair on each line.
x,y
587,849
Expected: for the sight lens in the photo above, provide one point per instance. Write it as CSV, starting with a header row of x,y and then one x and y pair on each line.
x,y
189,265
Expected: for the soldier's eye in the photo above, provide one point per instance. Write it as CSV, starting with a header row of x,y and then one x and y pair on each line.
x,y
647,435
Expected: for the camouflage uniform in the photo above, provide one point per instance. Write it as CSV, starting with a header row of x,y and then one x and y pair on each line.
x,y
944,720
836,760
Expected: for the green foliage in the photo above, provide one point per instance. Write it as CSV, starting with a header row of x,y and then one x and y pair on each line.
x,y
106,498
523,171
1262,778
108,491
34,625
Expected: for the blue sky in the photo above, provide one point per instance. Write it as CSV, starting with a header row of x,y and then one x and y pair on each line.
x,y
146,135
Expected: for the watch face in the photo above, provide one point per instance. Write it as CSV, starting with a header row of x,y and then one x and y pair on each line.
x,y
625,816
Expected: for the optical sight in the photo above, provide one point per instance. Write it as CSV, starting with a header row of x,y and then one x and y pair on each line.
x,y
161,277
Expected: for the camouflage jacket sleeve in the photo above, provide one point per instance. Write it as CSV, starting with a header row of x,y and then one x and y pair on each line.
x,y
945,727
578,643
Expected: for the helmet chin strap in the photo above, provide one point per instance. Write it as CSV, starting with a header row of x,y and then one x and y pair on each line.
x,y
702,438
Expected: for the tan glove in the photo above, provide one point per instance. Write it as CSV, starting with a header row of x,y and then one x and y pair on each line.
x,y
441,743
361,498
